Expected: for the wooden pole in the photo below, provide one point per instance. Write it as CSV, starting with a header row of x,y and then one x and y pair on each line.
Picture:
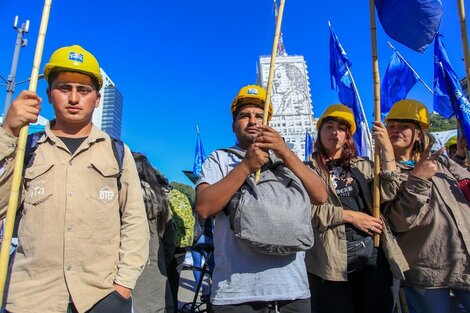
x,y
272,68
463,34
402,299
376,77
19,159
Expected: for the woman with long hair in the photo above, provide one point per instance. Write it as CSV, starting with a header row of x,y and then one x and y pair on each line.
x,y
152,292
430,213
346,272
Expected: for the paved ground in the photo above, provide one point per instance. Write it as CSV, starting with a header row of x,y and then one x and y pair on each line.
x,y
187,287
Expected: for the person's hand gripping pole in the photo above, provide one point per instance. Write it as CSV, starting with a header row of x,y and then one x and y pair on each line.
x,y
271,69
19,159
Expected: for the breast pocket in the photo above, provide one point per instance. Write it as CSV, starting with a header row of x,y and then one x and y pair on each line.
x,y
38,206
38,182
103,182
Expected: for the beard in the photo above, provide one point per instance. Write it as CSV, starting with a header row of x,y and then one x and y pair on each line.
x,y
252,138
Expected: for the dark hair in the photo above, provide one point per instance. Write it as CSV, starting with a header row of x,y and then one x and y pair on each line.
x,y
348,152
153,189
53,75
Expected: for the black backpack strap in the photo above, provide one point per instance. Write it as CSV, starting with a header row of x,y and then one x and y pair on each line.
x,y
31,145
118,151
30,148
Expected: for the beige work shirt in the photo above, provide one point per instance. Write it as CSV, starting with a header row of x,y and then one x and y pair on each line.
x,y
432,221
78,233
328,257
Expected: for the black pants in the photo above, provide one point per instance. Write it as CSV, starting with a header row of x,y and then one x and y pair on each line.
x,y
113,302
295,306
174,275
368,291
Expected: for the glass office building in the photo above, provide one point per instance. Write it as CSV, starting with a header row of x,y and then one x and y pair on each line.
x,y
108,116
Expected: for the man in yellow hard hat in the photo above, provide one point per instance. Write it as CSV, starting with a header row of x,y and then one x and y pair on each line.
x,y
245,280
456,150
451,146
83,234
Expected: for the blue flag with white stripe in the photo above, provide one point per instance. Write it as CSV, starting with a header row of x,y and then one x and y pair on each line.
x,y
449,98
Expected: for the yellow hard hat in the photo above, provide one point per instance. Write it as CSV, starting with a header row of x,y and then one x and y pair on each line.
x,y
409,109
339,111
251,94
452,141
74,59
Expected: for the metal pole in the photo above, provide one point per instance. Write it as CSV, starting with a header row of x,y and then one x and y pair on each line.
x,y
411,68
20,42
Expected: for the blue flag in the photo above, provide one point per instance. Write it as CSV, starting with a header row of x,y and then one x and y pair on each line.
x,y
448,96
338,60
341,80
413,23
308,145
398,80
199,155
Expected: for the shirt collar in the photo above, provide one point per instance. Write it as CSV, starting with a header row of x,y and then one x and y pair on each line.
x,y
95,134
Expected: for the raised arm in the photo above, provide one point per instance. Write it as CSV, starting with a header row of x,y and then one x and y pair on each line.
x,y
269,139
216,190
411,204
23,110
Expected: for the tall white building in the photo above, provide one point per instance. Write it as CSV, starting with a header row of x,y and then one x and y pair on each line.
x,y
291,99
108,116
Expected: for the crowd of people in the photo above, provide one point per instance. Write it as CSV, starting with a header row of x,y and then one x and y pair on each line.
x,y
96,233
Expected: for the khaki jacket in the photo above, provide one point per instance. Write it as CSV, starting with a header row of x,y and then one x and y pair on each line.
x,y
432,221
328,257
78,233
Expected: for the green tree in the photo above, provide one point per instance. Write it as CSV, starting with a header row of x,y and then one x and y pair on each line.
x,y
187,190
439,123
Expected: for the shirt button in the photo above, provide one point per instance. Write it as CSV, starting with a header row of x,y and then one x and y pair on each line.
x,y
11,146
70,193
70,163
69,227
69,267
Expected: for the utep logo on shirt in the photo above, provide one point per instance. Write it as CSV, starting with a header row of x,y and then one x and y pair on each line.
x,y
252,91
106,194
76,57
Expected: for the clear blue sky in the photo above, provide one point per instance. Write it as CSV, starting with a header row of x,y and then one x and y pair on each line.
x,y
180,63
